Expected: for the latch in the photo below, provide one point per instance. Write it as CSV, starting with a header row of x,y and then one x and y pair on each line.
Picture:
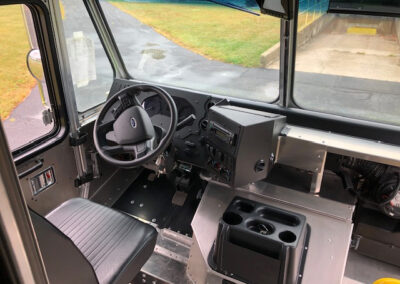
x,y
93,173
355,242
47,116
83,179
79,140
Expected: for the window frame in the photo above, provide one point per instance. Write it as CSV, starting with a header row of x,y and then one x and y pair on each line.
x,y
46,44
384,11
377,131
100,24
118,72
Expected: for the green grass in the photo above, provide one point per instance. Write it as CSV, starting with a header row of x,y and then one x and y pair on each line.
x,y
15,79
213,31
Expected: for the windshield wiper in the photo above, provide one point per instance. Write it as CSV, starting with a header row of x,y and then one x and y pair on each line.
x,y
230,5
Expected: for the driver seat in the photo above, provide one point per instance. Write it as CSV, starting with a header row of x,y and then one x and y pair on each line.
x,y
85,242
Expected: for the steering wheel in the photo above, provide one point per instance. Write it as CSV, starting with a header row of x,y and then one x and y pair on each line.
x,y
125,125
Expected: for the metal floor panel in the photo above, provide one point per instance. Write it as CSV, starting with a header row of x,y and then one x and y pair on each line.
x,y
154,201
168,262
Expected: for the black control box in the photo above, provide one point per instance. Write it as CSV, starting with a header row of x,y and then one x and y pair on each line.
x,y
241,143
258,243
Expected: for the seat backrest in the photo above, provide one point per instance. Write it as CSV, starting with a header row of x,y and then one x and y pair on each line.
x,y
63,261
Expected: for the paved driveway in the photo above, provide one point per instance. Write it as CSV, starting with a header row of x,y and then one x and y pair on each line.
x,y
150,56
25,122
356,75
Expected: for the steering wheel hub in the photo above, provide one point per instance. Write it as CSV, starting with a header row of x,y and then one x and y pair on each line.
x,y
133,126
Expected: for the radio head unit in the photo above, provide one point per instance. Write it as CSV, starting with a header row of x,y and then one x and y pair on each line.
x,y
221,133
240,143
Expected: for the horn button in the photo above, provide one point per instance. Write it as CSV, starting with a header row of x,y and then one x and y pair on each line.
x,y
133,126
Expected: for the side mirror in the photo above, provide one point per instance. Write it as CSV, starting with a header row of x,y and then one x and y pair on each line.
x,y
278,8
35,67
34,64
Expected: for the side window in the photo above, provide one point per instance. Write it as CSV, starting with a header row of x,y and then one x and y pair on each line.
x,y
92,74
347,64
23,92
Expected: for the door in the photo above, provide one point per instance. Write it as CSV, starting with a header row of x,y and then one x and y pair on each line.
x,y
56,73
32,107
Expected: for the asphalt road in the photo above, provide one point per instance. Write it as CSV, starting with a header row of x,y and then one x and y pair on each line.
x,y
150,56
25,122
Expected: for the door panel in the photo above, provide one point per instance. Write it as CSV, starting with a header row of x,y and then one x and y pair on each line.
x,y
32,90
61,159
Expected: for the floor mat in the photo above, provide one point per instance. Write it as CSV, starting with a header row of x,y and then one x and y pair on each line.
x,y
159,202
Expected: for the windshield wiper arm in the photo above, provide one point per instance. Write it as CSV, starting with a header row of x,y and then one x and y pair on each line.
x,y
230,5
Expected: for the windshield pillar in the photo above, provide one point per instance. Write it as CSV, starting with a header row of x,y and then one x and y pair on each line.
x,y
287,58
107,39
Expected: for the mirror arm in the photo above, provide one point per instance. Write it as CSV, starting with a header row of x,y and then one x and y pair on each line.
x,y
40,85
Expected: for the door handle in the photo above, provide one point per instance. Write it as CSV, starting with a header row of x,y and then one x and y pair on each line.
x,y
38,164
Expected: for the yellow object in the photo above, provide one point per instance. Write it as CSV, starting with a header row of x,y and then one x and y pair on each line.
x,y
361,31
62,9
387,281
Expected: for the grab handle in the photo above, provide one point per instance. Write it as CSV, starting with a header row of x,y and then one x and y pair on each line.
x,y
38,165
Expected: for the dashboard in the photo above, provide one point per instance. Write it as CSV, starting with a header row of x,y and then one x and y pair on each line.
x,y
154,105
197,140
188,143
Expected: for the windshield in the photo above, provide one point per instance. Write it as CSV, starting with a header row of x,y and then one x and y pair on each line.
x,y
198,45
348,65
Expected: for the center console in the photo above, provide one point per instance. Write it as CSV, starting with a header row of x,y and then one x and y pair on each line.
x,y
241,144
257,243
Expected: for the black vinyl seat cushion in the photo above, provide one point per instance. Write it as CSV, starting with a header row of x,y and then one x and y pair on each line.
x,y
115,244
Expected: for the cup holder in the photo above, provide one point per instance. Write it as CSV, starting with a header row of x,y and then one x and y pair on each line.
x,y
251,232
232,218
244,207
262,228
287,236
280,217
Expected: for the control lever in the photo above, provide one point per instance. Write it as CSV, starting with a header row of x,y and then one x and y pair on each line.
x,y
186,122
